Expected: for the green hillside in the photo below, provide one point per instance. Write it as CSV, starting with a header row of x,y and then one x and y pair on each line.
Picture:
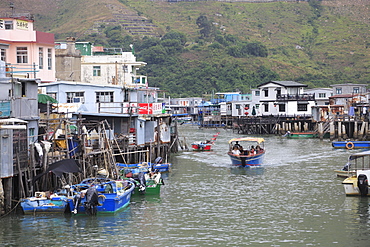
x,y
318,43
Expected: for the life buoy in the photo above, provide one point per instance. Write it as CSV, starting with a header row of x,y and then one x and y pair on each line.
x,y
101,199
350,145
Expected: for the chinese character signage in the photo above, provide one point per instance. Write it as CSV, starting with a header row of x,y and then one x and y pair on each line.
x,y
22,25
150,108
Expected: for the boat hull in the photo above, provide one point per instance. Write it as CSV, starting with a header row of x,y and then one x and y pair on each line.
x,y
351,144
109,202
149,190
344,174
201,147
351,188
165,167
302,135
246,160
36,205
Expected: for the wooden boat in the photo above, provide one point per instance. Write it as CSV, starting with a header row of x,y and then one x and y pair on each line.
x,y
357,184
312,134
346,171
146,182
351,144
107,196
41,203
205,145
248,154
156,166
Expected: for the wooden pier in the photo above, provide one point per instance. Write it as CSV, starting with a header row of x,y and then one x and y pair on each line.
x,y
91,143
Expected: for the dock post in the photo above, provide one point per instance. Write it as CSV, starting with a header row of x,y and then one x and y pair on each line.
x,y
344,132
320,130
355,131
339,131
332,130
362,131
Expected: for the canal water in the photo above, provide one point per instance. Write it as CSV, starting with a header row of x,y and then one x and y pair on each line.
x,y
294,199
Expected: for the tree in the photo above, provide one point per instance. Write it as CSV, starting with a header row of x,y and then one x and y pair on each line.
x,y
176,36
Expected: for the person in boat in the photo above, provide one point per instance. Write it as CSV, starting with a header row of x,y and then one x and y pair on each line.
x,y
258,149
241,149
237,145
236,150
252,151
346,167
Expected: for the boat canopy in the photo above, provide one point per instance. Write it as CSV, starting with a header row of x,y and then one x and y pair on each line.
x,y
358,155
248,139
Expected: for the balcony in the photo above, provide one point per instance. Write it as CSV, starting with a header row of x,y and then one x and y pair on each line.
x,y
295,97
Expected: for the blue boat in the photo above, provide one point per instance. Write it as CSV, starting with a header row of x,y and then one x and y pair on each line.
x,y
107,196
157,166
40,203
351,144
247,151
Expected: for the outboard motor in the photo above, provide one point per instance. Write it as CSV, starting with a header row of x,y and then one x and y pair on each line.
x,y
142,182
92,200
76,203
362,184
158,160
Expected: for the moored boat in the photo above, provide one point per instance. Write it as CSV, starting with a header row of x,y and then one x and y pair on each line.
x,y
351,144
346,171
107,196
357,184
43,203
146,182
311,134
247,151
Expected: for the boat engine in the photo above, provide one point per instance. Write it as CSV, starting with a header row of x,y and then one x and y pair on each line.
x,y
362,184
142,182
92,201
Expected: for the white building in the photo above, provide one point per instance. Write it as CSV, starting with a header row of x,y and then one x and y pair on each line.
x,y
285,98
321,95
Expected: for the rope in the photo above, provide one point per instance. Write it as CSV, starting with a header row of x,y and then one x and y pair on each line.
x,y
10,210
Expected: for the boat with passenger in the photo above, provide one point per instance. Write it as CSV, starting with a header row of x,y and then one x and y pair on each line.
x,y
357,184
205,145
247,151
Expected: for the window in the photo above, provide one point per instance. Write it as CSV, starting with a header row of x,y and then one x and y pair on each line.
x,y
266,92
3,55
278,92
338,90
302,107
96,71
76,97
49,59
125,69
31,135
257,93
356,90
9,25
53,95
257,106
266,107
22,56
104,97
281,107
41,57
322,95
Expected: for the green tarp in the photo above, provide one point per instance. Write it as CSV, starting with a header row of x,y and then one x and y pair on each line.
x,y
43,98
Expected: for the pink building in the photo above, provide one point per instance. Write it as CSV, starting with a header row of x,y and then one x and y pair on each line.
x,y
27,53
